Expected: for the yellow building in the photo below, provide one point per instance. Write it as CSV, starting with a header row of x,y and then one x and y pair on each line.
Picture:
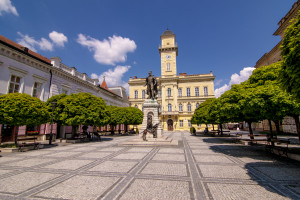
x,y
178,95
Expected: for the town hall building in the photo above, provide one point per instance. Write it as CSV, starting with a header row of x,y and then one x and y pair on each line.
x,y
178,95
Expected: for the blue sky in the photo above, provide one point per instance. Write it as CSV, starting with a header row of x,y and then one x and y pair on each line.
x,y
120,39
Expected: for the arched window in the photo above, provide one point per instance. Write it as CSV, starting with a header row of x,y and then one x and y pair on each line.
x,y
169,107
169,92
136,94
180,107
189,107
143,94
197,92
197,105
168,67
188,92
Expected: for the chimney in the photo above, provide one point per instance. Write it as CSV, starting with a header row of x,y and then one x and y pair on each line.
x,y
135,77
26,49
182,74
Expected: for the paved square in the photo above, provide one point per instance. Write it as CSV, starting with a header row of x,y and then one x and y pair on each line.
x,y
79,187
131,156
171,150
68,164
136,149
95,155
216,171
63,154
238,191
114,166
169,157
165,169
212,158
24,181
157,189
281,173
30,162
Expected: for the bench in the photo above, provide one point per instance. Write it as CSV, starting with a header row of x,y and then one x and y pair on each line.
x,y
281,150
28,141
238,137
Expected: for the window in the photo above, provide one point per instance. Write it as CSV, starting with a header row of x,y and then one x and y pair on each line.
x,y
32,130
14,85
143,94
37,90
205,91
179,92
169,92
159,93
168,67
180,107
197,105
197,92
169,107
188,92
189,107
136,106
136,94
190,124
181,123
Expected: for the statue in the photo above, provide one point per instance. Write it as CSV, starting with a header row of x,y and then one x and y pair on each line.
x,y
150,128
151,84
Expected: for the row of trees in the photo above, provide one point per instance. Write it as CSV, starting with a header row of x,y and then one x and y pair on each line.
x,y
271,92
71,110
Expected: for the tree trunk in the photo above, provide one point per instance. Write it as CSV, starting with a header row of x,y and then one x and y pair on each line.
x,y
277,128
297,122
112,130
221,129
15,134
213,127
74,130
271,132
250,130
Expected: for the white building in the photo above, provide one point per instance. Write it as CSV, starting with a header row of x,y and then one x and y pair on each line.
x,y
24,71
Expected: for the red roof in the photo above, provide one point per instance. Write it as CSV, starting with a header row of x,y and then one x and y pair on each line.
x,y
22,49
104,85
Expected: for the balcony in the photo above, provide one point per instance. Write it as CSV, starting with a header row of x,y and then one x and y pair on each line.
x,y
169,113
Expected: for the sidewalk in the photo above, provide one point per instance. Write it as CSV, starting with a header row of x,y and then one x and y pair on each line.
x,y
199,168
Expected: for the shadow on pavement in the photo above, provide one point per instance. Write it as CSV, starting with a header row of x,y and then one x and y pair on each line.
x,y
276,174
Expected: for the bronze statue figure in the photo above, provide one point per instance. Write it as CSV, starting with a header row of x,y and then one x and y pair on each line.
x,y
151,84
150,128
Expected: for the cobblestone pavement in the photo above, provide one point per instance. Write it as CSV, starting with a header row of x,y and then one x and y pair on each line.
x,y
199,168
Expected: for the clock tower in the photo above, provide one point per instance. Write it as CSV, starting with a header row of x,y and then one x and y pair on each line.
x,y
168,51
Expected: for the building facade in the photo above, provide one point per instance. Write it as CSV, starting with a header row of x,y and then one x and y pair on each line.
x,y
24,71
178,95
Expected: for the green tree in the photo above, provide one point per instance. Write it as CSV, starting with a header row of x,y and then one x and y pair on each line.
x,y
290,73
130,116
80,108
115,117
217,114
22,109
201,114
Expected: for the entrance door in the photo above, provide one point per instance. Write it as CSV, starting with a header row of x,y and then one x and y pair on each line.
x,y
7,133
170,124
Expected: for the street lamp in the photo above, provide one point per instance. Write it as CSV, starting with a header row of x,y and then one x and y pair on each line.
x,y
53,108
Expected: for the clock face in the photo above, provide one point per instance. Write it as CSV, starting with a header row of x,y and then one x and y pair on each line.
x,y
168,57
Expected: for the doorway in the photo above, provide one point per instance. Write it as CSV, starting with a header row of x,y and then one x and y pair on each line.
x,y
170,124
7,133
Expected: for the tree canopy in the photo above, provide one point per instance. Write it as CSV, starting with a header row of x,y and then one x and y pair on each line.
x,y
290,73
22,109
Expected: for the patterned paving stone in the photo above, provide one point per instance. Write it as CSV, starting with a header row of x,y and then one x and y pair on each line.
x,y
238,191
157,189
281,173
24,181
258,159
140,150
95,155
204,151
4,171
79,187
30,162
131,156
63,154
217,171
165,169
212,158
35,153
114,166
8,159
170,150
61,148
68,164
169,157
85,149
111,149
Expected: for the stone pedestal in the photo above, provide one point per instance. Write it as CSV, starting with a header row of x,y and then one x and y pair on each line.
x,y
151,107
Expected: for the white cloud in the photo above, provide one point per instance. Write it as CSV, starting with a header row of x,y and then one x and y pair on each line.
x,y
113,77
7,7
109,52
235,79
58,39
44,44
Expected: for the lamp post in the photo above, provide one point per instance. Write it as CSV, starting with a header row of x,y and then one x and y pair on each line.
x,y
53,108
